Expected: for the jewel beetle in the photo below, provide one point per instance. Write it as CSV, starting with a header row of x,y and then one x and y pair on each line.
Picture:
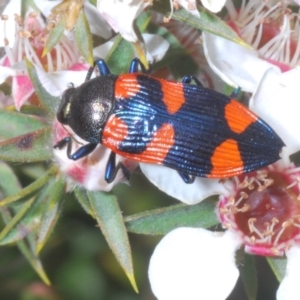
x,y
184,126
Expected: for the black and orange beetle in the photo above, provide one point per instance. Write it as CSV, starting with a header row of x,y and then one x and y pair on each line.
x,y
194,130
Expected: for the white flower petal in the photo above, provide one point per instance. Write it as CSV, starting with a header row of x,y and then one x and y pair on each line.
x,y
193,264
276,102
156,46
236,65
289,288
97,23
170,182
213,5
102,50
62,79
121,14
6,72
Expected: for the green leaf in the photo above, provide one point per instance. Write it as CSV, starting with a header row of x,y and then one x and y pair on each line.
x,y
143,21
27,251
109,218
51,211
30,147
48,101
34,261
14,221
249,276
34,110
23,224
162,220
27,5
120,56
84,201
207,22
55,35
30,190
278,265
84,38
14,124
9,182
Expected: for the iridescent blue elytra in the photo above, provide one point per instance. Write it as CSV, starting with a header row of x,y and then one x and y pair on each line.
x,y
184,126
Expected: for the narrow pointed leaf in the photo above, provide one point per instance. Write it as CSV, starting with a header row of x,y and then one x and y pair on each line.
x,y
9,183
51,212
30,147
249,276
34,111
109,218
14,124
84,201
49,102
278,265
29,221
26,250
163,220
30,190
207,22
84,38
55,35
119,56
34,261
13,222
27,5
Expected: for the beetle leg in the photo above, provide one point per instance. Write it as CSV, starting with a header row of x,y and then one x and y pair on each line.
x,y
235,93
102,67
112,169
81,152
134,66
187,178
189,79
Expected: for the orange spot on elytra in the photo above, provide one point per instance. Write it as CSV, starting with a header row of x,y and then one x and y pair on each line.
x,y
114,132
226,160
173,95
158,148
126,86
238,116
163,139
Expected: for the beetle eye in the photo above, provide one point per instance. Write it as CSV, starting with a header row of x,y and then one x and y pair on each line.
x,y
61,117
64,108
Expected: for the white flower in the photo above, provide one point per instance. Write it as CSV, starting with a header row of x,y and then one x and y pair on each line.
x,y
193,264
272,31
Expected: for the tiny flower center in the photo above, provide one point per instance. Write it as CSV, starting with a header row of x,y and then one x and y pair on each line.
x,y
265,210
269,211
